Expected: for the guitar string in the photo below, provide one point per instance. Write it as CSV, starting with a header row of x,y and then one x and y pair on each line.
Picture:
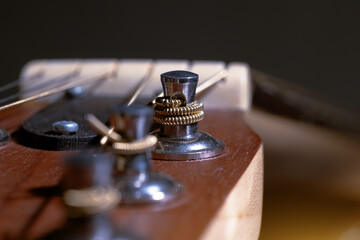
x,y
17,82
211,81
132,97
9,85
33,77
41,86
202,87
108,133
82,81
141,86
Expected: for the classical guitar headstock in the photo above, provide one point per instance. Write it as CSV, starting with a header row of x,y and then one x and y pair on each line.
x,y
211,179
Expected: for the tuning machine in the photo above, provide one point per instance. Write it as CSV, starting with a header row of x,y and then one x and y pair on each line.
x,y
178,115
137,182
89,194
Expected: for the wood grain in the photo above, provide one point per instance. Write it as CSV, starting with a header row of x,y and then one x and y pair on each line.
x,y
27,215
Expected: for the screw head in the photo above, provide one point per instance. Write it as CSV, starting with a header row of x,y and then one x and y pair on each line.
x,y
76,92
65,127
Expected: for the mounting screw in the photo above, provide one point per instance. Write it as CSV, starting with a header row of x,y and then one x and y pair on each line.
x,y
76,92
4,136
65,127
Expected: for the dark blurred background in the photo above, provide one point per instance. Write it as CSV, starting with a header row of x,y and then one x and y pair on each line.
x,y
311,43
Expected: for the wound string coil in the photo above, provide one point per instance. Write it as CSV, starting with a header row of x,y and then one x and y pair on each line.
x,y
173,112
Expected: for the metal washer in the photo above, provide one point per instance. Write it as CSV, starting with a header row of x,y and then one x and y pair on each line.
x,y
203,146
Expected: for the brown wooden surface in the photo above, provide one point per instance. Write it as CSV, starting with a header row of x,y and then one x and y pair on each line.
x,y
27,215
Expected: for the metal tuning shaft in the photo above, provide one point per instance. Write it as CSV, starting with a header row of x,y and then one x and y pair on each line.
x,y
88,184
89,194
178,115
136,181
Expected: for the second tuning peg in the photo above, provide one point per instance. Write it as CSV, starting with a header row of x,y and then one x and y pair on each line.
x,y
137,181
89,195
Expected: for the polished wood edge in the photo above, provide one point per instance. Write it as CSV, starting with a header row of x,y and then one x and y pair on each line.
x,y
240,215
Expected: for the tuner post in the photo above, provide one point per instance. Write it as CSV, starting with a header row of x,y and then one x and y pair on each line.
x,y
178,114
88,196
180,85
137,182
88,185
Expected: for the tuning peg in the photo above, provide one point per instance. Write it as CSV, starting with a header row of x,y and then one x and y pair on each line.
x,y
178,115
137,182
88,184
89,194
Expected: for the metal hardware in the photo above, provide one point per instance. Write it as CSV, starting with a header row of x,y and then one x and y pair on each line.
x,y
138,183
89,195
178,136
36,131
65,127
204,86
4,137
76,92
89,185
